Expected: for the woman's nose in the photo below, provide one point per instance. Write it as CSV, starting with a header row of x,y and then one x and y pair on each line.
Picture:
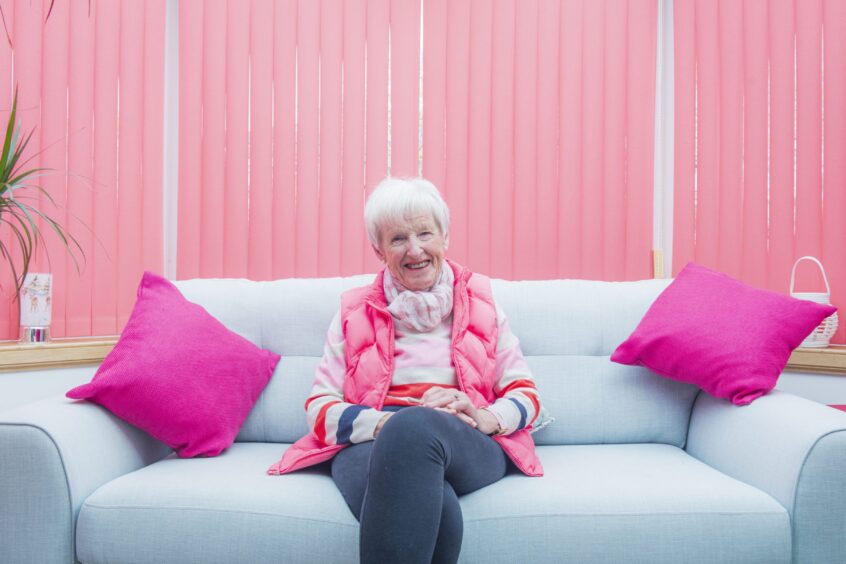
x,y
414,247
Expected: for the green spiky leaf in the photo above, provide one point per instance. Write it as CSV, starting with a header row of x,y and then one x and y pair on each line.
x,y
19,217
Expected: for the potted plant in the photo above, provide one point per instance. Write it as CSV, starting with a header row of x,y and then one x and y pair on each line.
x,y
18,216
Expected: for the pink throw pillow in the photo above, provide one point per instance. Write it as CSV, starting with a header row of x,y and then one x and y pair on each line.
x,y
179,374
720,334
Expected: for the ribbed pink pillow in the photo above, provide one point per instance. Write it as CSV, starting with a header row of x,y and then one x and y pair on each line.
x,y
179,374
728,338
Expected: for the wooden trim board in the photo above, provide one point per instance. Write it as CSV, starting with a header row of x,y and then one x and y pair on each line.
x,y
830,360
92,350
59,353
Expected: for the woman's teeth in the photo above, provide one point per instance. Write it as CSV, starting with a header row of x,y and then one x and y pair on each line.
x,y
418,266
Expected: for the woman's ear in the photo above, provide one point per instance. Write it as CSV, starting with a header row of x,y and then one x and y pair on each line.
x,y
378,252
446,241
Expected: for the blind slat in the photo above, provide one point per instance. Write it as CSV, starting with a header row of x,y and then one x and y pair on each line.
x,y
405,87
106,75
153,129
684,133
781,46
53,123
708,138
27,34
479,136
308,96
8,309
754,220
457,108
546,206
525,192
190,204
376,148
808,137
570,140
642,32
729,175
331,56
434,90
593,93
502,141
353,244
213,207
284,138
616,93
259,249
236,209
130,230
80,153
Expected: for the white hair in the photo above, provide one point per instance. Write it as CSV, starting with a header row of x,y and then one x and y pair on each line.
x,y
397,199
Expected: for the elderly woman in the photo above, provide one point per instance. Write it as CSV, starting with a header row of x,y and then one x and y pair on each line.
x,y
422,394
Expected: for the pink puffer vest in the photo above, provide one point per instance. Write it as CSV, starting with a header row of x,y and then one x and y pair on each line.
x,y
369,349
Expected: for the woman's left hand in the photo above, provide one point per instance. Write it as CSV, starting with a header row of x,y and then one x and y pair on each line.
x,y
457,403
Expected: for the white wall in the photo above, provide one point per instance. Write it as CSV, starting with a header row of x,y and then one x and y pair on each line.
x,y
824,388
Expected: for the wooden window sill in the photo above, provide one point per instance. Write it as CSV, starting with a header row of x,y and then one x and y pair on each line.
x,y
91,350
830,360
59,353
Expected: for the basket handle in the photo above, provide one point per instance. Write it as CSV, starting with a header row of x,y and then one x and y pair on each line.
x,y
793,273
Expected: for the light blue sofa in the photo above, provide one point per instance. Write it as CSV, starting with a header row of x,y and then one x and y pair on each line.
x,y
639,468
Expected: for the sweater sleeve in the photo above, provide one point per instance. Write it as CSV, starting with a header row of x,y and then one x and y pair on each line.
x,y
330,418
517,405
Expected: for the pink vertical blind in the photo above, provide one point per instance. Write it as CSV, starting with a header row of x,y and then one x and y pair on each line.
x,y
537,114
90,82
536,124
760,140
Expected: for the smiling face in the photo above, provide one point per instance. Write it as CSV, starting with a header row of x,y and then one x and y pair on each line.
x,y
413,250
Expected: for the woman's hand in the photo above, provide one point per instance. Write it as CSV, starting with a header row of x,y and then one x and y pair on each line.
x,y
381,424
457,403
451,401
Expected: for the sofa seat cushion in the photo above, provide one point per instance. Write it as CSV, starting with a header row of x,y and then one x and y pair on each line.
x,y
223,509
625,503
596,503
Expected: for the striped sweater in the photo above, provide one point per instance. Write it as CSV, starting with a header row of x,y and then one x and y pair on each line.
x,y
421,361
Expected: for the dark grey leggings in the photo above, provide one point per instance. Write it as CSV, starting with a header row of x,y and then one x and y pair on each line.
x,y
403,486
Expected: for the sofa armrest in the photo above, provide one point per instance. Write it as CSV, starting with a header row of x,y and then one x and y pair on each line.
x,y
789,447
53,454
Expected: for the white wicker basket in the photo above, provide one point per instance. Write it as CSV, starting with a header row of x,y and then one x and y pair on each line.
x,y
820,336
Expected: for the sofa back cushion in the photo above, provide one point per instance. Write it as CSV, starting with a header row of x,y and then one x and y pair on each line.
x,y
567,331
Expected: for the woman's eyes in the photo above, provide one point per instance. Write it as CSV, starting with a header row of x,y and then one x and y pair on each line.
x,y
423,236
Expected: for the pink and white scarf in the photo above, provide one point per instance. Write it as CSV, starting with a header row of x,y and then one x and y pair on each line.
x,y
423,310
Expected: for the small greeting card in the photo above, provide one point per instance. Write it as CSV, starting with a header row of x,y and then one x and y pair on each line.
x,y
36,292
